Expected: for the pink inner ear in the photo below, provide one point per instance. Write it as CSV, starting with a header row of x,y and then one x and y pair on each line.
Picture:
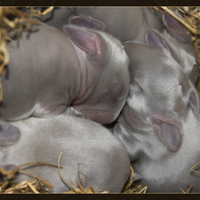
x,y
169,134
87,22
86,40
153,38
176,29
9,134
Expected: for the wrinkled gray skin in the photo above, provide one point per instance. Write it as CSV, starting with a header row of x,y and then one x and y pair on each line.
x,y
131,23
54,69
102,159
160,123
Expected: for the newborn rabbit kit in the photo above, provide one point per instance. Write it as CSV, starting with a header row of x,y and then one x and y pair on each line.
x,y
132,69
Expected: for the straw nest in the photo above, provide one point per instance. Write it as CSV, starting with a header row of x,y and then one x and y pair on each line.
x,y
12,22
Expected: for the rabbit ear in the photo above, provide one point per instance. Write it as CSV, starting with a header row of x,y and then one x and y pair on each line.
x,y
168,133
155,39
176,29
85,39
87,22
9,134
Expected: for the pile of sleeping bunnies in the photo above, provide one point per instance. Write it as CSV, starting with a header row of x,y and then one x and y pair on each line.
x,y
99,100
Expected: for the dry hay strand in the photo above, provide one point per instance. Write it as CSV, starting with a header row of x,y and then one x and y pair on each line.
x,y
22,21
27,187
190,187
78,188
38,185
133,188
136,189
